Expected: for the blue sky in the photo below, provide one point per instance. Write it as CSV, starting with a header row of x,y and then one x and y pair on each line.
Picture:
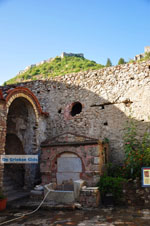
x,y
34,30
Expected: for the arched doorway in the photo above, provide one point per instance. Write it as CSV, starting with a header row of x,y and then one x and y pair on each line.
x,y
20,139
69,168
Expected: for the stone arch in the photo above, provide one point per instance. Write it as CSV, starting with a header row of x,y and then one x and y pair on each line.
x,y
28,95
22,114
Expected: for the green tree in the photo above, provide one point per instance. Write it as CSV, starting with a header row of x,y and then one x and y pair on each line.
x,y
108,64
121,61
5,83
147,55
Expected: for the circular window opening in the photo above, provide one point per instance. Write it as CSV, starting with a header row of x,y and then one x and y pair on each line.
x,y
76,109
59,111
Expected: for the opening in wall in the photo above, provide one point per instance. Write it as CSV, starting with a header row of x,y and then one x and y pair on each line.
x,y
59,111
76,108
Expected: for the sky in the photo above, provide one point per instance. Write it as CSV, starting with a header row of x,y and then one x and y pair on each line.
x,y
35,30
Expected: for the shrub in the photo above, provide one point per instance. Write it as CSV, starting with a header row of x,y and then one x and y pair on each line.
x,y
113,185
115,170
112,182
137,152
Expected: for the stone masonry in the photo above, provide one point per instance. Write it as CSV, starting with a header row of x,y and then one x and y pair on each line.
x,y
69,156
95,104
108,97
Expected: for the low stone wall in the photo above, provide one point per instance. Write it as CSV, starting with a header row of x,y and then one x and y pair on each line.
x,y
89,197
135,195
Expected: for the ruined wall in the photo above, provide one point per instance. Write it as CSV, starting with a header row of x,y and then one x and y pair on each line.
x,y
107,96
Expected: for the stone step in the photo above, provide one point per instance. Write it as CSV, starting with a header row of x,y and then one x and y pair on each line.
x,y
10,187
8,182
17,195
9,193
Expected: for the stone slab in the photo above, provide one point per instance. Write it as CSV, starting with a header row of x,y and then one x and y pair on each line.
x,y
69,164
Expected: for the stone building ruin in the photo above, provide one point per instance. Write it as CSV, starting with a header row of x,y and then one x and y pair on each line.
x,y
142,55
64,54
68,118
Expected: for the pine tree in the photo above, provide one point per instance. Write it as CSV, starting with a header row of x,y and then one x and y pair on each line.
x,y
108,64
121,61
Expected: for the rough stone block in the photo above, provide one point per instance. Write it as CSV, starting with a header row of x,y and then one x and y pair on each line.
x,y
77,187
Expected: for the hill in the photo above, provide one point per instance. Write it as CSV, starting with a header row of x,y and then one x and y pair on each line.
x,y
56,66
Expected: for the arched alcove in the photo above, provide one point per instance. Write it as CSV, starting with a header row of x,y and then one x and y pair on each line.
x,y
21,139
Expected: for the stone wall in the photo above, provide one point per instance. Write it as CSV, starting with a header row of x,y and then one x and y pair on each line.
x,y
20,116
136,195
107,96
21,122
62,163
2,135
89,197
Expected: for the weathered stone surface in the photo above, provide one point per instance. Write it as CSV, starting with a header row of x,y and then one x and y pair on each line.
x,y
68,164
135,194
89,197
60,196
108,96
77,187
55,160
66,177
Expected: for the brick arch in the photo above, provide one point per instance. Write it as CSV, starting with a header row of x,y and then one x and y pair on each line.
x,y
28,95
